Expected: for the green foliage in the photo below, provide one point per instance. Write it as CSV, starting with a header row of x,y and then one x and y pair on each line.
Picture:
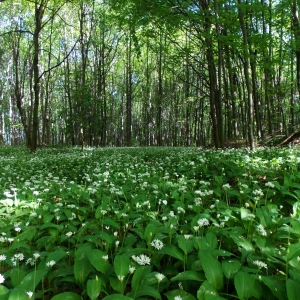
x,y
161,229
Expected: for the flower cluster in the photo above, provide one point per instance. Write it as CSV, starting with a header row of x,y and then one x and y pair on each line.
x,y
142,260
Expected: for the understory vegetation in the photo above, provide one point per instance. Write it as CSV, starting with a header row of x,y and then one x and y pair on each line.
x,y
149,223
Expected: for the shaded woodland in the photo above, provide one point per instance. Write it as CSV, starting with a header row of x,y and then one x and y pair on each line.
x,y
148,73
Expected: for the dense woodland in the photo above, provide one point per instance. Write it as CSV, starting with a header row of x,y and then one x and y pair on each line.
x,y
148,72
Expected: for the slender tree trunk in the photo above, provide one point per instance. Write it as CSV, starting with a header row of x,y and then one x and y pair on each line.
x,y
247,78
39,12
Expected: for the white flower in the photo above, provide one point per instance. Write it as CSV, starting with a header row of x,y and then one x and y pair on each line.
x,y
2,257
50,263
19,256
36,255
30,294
260,264
270,184
203,222
157,244
177,298
142,260
187,236
261,230
17,229
159,277
121,278
69,234
226,186
131,269
117,243
1,278
105,257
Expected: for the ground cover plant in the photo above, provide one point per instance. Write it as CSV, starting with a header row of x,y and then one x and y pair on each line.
x,y
149,223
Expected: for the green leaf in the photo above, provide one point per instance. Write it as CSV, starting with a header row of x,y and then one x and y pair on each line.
x,y
82,268
184,295
230,268
276,286
94,288
243,284
27,234
212,240
264,216
117,285
145,290
292,288
293,251
33,277
172,251
207,292
150,231
212,268
66,296
56,256
186,245
4,292
95,257
18,294
189,275
242,242
111,222
117,297
121,265
16,276
138,276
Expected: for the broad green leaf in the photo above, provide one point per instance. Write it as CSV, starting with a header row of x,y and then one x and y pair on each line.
x,y
212,268
230,268
111,222
117,285
293,251
4,292
33,277
138,276
243,283
186,245
93,288
145,290
18,294
212,240
117,297
56,256
220,252
20,246
121,265
207,292
189,275
276,286
66,296
264,216
95,257
27,234
242,242
172,251
16,276
184,295
150,231
292,289
82,268
246,213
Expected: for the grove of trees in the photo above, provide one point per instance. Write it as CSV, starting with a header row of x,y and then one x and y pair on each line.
x,y
148,72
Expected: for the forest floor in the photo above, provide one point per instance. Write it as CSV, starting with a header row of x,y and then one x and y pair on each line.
x,y
149,223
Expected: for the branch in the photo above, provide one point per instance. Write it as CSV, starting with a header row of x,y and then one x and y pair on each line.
x,y
19,31
58,64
